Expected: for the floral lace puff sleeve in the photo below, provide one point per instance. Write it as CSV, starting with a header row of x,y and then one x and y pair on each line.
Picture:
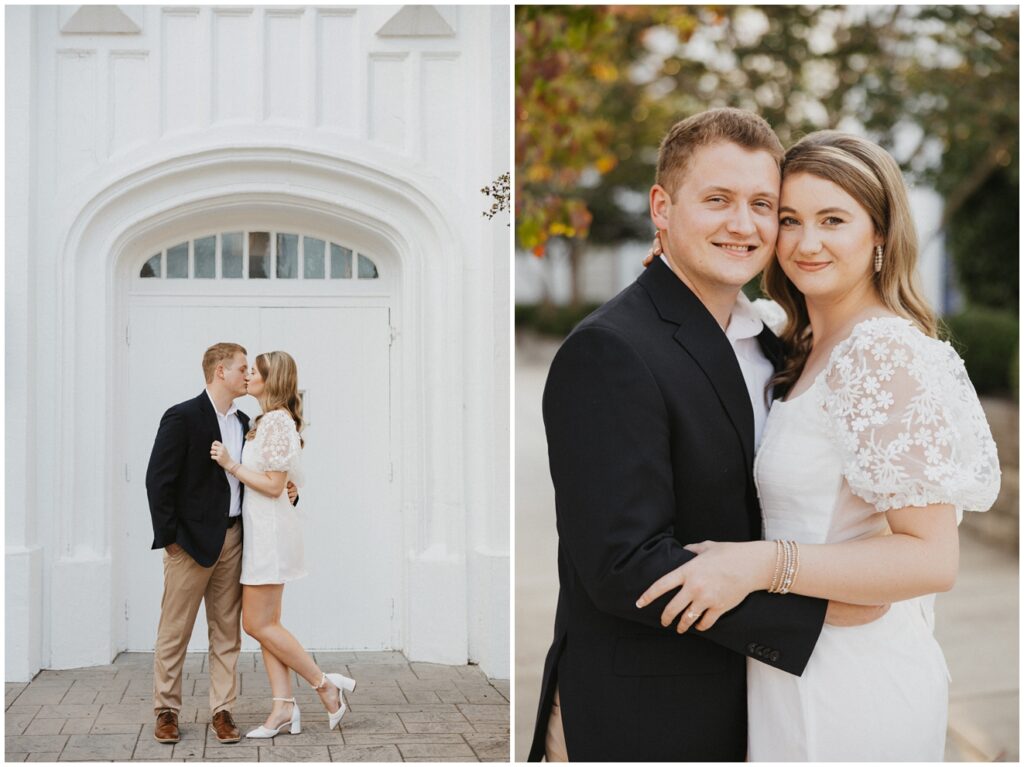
x,y
908,421
280,444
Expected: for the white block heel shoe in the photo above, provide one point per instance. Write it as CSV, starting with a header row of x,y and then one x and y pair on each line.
x,y
342,682
294,724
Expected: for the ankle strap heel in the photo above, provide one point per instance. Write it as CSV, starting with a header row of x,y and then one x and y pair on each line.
x,y
294,724
342,682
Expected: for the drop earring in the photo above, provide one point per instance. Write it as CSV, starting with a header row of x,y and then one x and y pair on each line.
x,y
878,258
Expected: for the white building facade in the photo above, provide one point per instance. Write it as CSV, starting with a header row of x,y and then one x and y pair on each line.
x,y
297,178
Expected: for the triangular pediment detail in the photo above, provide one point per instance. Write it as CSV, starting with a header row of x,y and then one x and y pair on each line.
x,y
417,21
99,20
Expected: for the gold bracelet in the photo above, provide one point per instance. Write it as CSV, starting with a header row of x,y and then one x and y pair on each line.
x,y
784,589
792,564
796,564
774,586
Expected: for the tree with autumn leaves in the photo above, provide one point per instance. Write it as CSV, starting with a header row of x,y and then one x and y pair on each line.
x,y
597,87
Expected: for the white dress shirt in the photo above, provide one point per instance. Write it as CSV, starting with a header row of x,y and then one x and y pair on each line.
x,y
744,327
231,436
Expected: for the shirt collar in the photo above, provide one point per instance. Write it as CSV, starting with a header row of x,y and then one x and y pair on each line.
x,y
231,410
744,321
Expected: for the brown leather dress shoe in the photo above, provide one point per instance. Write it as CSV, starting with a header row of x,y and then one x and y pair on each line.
x,y
225,727
167,727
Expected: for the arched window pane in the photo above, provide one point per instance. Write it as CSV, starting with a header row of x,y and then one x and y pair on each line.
x,y
341,263
231,255
151,268
313,258
280,257
367,269
177,261
259,249
287,256
206,255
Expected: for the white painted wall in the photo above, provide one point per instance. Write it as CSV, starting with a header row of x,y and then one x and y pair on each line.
x,y
115,140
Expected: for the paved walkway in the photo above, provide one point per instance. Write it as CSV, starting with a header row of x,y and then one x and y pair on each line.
x,y
976,623
400,711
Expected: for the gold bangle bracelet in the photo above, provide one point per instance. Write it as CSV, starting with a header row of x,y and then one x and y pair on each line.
x,y
773,588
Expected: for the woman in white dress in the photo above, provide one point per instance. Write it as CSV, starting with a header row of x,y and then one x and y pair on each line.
x,y
867,464
272,543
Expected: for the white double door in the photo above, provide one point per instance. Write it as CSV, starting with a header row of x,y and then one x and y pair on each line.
x,y
349,505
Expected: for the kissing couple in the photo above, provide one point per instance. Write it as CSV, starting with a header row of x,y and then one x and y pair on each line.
x,y
212,476
757,502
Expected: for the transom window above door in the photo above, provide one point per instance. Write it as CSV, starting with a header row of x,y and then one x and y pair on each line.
x,y
259,256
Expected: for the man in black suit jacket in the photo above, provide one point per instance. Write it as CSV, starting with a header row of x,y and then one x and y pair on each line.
x,y
650,421
196,508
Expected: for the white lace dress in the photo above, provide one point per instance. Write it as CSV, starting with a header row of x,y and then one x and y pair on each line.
x,y
892,421
272,532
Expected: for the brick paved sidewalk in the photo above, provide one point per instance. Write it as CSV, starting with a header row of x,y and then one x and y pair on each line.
x,y
400,711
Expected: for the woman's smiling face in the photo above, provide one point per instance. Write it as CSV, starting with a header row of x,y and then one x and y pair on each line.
x,y
826,238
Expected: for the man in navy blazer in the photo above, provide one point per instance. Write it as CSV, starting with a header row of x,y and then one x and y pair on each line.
x,y
652,409
196,509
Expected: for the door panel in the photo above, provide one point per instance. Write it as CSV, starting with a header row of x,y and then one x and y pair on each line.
x,y
352,530
352,526
164,367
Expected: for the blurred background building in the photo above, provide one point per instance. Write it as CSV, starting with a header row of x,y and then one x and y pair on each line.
x,y
597,87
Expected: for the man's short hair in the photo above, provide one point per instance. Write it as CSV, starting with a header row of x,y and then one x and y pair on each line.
x,y
216,354
711,127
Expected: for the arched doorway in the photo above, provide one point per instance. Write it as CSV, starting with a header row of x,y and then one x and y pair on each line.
x,y
268,284
185,199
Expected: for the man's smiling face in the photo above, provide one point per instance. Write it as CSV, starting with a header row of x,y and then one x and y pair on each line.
x,y
723,219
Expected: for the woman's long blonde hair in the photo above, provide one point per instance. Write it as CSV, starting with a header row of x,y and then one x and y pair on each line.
x,y
280,388
871,176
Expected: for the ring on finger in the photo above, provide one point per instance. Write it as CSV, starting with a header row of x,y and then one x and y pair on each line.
x,y
692,615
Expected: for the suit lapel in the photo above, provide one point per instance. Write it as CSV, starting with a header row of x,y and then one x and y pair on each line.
x,y
775,351
243,422
209,415
772,347
699,334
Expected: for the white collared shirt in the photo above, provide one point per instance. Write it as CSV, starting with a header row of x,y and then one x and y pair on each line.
x,y
744,327
231,436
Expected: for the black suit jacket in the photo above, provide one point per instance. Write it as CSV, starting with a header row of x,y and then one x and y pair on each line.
x,y
651,443
189,495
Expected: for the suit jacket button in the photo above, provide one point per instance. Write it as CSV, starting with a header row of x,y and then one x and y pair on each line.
x,y
773,656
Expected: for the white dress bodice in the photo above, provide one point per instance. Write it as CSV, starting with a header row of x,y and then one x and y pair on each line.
x,y
892,421
272,550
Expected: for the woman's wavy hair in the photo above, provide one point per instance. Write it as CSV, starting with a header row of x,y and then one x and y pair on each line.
x,y
280,389
871,176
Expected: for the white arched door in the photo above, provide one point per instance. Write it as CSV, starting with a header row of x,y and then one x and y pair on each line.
x,y
339,332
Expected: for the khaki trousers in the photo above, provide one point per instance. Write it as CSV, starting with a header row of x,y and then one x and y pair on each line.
x,y
186,584
554,742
